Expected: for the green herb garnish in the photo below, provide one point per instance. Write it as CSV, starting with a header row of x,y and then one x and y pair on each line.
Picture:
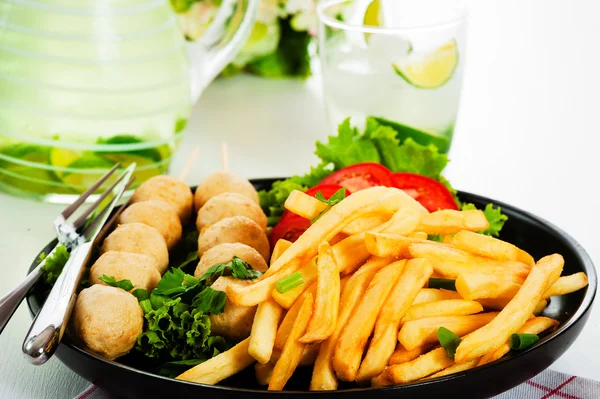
x,y
335,199
210,301
123,284
236,267
449,341
289,282
444,283
519,342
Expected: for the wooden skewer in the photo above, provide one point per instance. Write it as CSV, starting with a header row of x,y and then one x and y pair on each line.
x,y
224,157
189,163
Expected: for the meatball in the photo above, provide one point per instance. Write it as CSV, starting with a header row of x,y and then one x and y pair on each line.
x,y
157,214
235,323
139,239
170,190
230,204
234,229
108,320
223,253
223,182
137,268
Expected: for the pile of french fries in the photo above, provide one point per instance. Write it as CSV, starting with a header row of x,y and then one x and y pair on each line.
x,y
364,311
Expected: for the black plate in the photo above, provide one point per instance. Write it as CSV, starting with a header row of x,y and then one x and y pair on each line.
x,y
529,232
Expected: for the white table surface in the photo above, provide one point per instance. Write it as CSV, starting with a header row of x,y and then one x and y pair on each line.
x,y
527,134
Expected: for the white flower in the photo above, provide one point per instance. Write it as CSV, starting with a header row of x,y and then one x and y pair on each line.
x,y
268,11
305,15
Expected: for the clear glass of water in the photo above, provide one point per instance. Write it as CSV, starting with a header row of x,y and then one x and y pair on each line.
x,y
400,61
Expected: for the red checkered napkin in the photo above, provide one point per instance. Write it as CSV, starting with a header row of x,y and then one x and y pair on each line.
x,y
547,385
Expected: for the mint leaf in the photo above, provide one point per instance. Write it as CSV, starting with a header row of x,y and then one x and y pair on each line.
x,y
123,284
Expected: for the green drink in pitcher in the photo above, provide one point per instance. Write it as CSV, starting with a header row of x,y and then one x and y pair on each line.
x,y
85,84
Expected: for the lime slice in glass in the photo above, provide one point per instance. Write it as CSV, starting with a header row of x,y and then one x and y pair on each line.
x,y
431,70
373,14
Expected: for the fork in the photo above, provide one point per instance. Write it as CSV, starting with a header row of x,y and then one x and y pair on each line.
x,y
72,236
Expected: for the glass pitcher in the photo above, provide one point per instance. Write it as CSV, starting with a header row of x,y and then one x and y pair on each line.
x,y
88,83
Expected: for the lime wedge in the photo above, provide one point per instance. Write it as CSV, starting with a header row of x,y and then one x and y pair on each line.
x,y
432,70
91,167
372,15
62,158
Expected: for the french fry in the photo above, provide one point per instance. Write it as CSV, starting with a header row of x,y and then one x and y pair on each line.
x,y
364,202
288,320
490,337
445,307
327,299
539,308
264,330
323,377
293,348
416,333
448,221
352,341
455,368
531,326
382,244
304,205
567,284
405,221
280,247
366,223
380,381
414,275
490,247
451,262
222,366
401,355
263,373
447,239
419,235
349,254
476,285
337,238
424,365
433,294
309,354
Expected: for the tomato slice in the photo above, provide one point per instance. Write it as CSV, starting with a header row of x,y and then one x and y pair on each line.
x,y
430,193
289,228
326,189
360,176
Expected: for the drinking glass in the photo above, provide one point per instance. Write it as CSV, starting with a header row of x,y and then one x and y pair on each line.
x,y
85,84
399,61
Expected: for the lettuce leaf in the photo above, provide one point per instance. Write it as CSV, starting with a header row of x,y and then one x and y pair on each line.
x,y
494,216
397,147
54,264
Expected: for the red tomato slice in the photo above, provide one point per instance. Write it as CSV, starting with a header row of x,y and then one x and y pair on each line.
x,y
430,193
326,189
360,176
289,228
